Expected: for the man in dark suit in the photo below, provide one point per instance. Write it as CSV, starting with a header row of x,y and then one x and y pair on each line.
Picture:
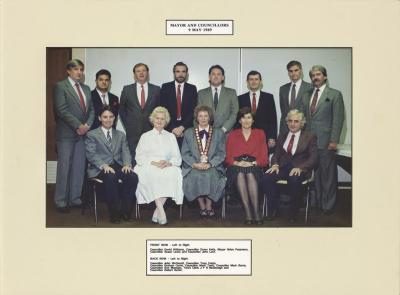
x,y
109,159
290,94
74,115
102,97
138,100
262,105
180,99
222,100
324,110
295,156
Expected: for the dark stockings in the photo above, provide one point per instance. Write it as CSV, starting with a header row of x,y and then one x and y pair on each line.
x,y
248,189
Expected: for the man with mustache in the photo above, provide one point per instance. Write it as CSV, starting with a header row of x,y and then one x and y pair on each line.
x,y
324,110
180,99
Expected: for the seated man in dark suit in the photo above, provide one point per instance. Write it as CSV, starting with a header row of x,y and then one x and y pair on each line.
x,y
102,97
262,105
295,156
180,99
109,159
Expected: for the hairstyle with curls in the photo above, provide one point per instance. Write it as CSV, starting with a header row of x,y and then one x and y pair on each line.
x,y
160,110
203,108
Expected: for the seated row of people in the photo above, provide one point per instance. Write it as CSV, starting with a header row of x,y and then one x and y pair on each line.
x,y
206,158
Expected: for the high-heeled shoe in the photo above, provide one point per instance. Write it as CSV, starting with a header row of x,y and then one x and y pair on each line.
x,y
248,222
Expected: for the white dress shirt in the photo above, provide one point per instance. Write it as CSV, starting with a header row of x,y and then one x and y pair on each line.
x,y
76,91
295,142
298,85
139,91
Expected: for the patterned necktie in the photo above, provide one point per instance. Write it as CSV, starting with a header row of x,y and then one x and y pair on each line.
x,y
293,97
142,99
103,96
216,98
254,103
313,106
179,102
81,99
290,145
109,137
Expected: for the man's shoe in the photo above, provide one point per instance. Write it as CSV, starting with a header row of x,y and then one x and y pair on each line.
x,y
269,218
292,220
128,218
326,212
115,220
77,206
63,210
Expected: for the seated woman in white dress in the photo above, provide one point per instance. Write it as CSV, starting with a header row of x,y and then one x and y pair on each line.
x,y
158,166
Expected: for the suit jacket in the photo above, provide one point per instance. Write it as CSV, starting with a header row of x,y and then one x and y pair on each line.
x,y
100,152
190,151
189,102
265,114
135,120
69,113
98,105
305,157
284,102
227,108
327,121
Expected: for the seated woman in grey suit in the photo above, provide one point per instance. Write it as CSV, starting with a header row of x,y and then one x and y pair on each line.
x,y
158,166
109,159
203,155
246,155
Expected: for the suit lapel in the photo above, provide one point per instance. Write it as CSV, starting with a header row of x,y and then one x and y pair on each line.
x,y
134,96
322,98
300,144
287,92
103,138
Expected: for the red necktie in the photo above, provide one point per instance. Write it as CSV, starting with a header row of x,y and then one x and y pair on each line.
x,y
81,99
179,103
293,97
313,106
290,145
254,103
142,99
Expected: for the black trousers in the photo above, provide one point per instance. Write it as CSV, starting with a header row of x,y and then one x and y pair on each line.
x,y
271,188
119,196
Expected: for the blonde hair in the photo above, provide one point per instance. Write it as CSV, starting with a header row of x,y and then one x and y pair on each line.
x,y
160,110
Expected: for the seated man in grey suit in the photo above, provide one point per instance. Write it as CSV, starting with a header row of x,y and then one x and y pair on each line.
x,y
290,94
109,159
74,115
138,100
324,110
222,100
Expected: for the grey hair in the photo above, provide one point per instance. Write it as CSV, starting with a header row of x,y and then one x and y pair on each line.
x,y
296,112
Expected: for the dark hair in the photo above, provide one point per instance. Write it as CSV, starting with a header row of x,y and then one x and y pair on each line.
x,y
180,64
73,63
103,72
252,73
203,108
140,64
244,111
106,108
293,63
216,67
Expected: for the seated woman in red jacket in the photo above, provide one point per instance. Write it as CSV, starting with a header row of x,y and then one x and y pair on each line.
x,y
246,154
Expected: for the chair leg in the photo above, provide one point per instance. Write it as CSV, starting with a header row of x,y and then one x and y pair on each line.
x,y
307,204
223,207
95,203
181,211
137,210
264,205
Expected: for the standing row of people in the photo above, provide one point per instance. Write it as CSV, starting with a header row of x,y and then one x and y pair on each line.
x,y
322,106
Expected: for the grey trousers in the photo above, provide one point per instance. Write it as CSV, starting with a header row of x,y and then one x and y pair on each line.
x,y
326,179
71,164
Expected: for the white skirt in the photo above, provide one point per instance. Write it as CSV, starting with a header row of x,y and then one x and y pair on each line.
x,y
156,183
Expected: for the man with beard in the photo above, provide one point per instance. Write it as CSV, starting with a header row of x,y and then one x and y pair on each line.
x,y
290,94
138,100
180,99
324,110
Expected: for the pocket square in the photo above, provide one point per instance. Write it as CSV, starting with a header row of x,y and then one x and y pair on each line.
x,y
327,99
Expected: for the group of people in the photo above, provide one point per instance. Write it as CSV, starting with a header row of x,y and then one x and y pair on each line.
x,y
183,143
